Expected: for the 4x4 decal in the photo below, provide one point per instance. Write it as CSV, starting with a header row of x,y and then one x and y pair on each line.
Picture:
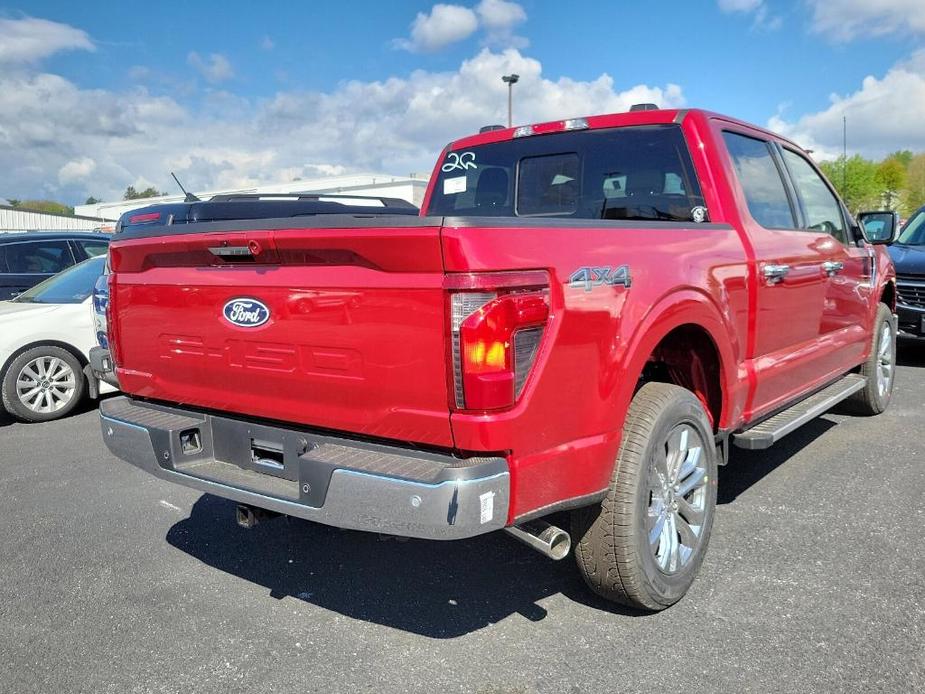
x,y
590,277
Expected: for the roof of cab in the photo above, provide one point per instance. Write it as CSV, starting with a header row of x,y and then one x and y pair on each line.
x,y
610,120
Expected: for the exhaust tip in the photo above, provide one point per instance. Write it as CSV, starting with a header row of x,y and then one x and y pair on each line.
x,y
245,516
248,516
560,545
546,539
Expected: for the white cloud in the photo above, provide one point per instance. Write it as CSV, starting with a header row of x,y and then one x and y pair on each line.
x,y
267,44
500,15
140,73
50,127
29,40
884,115
844,20
215,68
448,24
76,171
444,25
757,8
498,18
740,5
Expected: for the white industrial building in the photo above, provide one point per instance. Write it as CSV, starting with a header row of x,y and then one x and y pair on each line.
x,y
410,188
19,219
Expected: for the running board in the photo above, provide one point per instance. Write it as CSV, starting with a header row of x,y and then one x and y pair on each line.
x,y
773,429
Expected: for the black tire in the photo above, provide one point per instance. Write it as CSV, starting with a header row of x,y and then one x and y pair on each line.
x,y
874,398
19,409
613,551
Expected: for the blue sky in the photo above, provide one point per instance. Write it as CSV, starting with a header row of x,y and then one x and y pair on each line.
x,y
94,97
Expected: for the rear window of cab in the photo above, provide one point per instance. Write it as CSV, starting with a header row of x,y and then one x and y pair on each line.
x,y
632,173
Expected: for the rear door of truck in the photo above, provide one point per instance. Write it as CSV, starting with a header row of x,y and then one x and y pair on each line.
x,y
336,322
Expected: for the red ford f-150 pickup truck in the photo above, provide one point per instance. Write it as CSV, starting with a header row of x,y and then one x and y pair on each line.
x,y
584,317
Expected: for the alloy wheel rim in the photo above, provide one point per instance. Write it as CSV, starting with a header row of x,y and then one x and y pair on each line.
x,y
677,499
46,384
885,360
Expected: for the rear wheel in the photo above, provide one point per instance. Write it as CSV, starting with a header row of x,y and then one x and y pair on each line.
x,y
644,544
43,383
879,369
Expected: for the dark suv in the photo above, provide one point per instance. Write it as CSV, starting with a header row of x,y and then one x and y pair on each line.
x,y
908,253
28,258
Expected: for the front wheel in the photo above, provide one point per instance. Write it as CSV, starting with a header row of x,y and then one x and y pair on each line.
x,y
879,369
644,544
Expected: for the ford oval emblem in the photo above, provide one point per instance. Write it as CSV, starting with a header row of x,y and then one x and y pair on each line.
x,y
246,312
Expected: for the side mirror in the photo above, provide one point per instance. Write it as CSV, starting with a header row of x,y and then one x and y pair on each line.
x,y
879,228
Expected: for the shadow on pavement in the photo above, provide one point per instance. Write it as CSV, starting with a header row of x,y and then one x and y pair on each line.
x,y
747,468
436,589
910,351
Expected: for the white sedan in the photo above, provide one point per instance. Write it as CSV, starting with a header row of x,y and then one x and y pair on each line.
x,y
45,338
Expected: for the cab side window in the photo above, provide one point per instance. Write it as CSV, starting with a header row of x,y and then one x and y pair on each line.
x,y
821,209
761,181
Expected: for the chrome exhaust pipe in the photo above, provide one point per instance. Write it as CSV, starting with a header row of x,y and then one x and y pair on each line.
x,y
546,539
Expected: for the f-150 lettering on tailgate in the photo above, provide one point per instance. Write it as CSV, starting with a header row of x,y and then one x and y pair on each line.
x,y
266,356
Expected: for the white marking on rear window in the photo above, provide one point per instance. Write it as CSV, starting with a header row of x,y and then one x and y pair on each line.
x,y
455,160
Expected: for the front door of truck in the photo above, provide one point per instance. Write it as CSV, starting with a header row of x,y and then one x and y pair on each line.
x,y
847,267
790,283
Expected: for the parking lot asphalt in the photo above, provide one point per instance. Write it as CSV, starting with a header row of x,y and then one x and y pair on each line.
x,y
114,581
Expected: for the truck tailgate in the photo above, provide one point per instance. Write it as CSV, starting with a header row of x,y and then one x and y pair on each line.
x,y
338,328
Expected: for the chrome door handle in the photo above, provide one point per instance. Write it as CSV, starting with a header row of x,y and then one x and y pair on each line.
x,y
832,267
775,273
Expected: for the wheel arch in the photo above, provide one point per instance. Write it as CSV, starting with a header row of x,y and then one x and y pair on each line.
x,y
687,322
888,295
76,353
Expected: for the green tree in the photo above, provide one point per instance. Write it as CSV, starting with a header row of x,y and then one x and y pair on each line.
x,y
150,192
914,194
92,201
891,176
49,206
903,156
14,202
855,180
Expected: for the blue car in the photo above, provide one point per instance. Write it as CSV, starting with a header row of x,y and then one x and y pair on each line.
x,y
908,253
31,257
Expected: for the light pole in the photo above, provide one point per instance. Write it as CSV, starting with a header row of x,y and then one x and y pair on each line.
x,y
511,81
844,155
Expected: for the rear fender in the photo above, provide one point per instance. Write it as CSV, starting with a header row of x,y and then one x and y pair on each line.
x,y
680,308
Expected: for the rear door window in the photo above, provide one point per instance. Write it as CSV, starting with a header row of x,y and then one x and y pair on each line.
x,y
761,181
38,257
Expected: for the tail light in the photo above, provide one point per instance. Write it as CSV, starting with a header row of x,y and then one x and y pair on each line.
x,y
100,302
497,322
111,327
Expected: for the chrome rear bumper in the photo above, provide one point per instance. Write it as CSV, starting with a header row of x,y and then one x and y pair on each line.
x,y
331,480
